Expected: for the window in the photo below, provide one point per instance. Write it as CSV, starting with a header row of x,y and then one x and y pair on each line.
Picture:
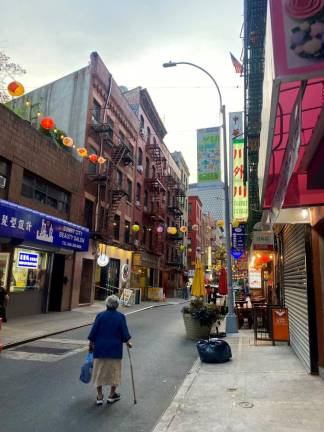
x,y
142,122
145,198
147,168
129,190
138,194
140,157
148,138
169,199
4,173
96,111
38,189
92,167
88,213
127,232
119,177
190,208
153,172
116,227
25,279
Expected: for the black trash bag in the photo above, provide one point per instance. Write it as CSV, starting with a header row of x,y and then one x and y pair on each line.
x,y
214,351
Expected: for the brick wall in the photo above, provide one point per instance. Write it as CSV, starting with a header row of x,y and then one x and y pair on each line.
x,y
26,148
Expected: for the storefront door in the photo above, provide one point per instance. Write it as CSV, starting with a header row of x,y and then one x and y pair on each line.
x,y
86,281
56,290
113,274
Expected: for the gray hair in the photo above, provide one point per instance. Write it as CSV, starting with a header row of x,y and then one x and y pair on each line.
x,y
112,302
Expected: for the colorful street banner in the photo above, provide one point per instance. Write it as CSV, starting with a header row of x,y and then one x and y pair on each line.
x,y
208,155
30,225
240,191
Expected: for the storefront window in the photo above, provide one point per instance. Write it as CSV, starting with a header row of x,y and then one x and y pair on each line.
x,y
4,261
28,270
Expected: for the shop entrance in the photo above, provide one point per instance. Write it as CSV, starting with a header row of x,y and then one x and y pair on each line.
x,y
86,281
113,275
56,290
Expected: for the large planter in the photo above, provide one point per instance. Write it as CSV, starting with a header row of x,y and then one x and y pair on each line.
x,y
194,331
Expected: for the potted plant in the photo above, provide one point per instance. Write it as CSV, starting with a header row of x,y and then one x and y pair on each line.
x,y
199,318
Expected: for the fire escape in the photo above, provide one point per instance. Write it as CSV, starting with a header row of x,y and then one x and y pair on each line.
x,y
110,191
155,184
255,12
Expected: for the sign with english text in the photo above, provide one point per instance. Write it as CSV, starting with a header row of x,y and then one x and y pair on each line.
x,y
30,225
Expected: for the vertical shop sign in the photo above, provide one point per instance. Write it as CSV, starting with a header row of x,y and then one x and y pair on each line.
x,y
235,127
208,155
240,190
238,238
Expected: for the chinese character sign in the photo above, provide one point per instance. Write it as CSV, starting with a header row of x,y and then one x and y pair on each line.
x,y
27,224
240,191
208,155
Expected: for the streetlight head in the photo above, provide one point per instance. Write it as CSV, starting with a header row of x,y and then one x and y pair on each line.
x,y
170,64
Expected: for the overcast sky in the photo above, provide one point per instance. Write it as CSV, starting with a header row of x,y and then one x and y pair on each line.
x,y
134,37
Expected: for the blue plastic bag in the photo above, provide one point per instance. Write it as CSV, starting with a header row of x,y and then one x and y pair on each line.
x,y
86,369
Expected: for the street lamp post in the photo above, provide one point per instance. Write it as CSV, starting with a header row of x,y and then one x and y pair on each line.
x,y
231,320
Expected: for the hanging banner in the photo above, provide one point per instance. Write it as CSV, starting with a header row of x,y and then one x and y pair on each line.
x,y
235,125
240,191
208,155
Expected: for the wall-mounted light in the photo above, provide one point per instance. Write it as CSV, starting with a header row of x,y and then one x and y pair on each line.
x,y
305,213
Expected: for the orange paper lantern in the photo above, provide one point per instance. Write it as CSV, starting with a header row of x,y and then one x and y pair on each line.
x,y
101,160
93,157
172,230
82,152
47,123
195,227
68,142
15,88
183,229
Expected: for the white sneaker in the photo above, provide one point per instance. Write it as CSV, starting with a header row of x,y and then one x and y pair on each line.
x,y
99,401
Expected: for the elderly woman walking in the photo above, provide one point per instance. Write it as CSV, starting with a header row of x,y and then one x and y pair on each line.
x,y
108,333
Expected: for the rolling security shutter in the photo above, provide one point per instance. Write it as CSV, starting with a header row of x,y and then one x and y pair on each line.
x,y
295,290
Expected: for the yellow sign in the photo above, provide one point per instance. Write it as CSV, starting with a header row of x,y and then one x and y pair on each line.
x,y
240,191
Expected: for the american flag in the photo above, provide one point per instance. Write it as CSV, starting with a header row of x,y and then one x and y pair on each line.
x,y
237,65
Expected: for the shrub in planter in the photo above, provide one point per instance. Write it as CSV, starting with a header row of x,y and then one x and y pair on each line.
x,y
199,317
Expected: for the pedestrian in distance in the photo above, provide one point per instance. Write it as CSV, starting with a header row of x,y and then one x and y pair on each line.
x,y
208,292
108,334
4,298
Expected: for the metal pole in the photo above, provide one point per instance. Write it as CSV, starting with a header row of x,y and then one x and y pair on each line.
x,y
231,320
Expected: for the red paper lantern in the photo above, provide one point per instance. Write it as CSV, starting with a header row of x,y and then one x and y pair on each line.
x,y
15,88
47,123
93,158
265,259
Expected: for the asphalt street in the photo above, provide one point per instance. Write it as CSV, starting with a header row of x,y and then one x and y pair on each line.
x,y
40,389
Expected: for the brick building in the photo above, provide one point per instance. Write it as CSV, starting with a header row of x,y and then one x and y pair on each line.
x,y
39,210
138,185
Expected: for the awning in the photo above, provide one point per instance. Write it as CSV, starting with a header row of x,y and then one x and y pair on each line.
x,y
30,225
303,187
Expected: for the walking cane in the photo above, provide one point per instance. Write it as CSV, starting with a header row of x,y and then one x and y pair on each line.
x,y
132,374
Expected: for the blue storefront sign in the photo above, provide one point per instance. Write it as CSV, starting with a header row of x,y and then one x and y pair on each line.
x,y
238,238
28,260
30,225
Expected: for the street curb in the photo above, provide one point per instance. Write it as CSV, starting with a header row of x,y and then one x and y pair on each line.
x,y
21,342
166,420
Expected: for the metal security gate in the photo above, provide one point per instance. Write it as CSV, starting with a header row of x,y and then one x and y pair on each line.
x,y
295,290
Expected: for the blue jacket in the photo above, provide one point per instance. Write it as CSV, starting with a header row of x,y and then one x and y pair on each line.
x,y
108,333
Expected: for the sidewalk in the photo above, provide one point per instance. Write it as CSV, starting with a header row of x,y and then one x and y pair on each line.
x,y
263,388
27,328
